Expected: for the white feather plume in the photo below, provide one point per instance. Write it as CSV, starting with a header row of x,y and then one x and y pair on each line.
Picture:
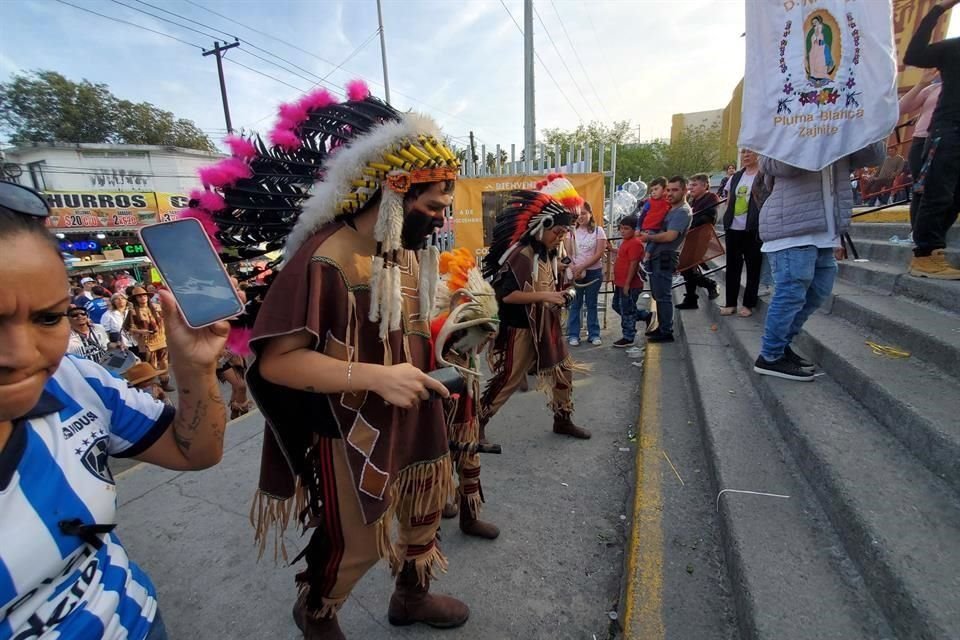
x,y
345,165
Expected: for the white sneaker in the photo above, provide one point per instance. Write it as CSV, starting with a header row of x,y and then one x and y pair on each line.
x,y
574,342
596,342
764,290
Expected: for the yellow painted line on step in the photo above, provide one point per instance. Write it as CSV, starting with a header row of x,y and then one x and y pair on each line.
x,y
139,465
893,214
643,609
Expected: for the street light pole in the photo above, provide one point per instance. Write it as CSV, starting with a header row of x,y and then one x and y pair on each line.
x,y
529,110
383,54
219,51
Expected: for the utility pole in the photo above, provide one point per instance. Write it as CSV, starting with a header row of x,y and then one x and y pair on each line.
x,y
219,51
383,54
473,152
529,110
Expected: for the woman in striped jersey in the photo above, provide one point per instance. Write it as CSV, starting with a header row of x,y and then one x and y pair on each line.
x,y
63,572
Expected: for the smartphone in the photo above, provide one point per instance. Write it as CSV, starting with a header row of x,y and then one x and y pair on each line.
x,y
191,269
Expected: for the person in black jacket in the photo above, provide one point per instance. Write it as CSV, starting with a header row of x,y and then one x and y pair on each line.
x,y
704,203
939,182
741,221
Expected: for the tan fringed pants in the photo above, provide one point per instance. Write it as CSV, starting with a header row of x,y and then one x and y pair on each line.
x,y
512,366
342,548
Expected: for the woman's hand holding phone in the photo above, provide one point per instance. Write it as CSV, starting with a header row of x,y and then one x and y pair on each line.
x,y
194,348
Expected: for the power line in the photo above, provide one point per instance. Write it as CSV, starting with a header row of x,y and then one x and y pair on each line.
x,y
262,33
562,60
577,55
167,20
545,67
337,66
345,60
596,36
215,37
265,75
311,79
131,24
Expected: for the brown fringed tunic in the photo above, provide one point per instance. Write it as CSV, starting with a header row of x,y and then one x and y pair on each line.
x,y
538,347
399,460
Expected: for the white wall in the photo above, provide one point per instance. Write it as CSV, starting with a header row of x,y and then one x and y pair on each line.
x,y
112,167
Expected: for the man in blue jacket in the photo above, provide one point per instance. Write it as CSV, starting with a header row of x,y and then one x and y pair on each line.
x,y
800,225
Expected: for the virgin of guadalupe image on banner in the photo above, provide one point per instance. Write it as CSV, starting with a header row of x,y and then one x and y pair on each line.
x,y
820,79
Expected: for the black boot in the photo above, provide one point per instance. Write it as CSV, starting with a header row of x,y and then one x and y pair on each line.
x,y
689,302
713,291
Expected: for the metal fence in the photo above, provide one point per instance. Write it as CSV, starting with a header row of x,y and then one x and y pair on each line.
x,y
545,159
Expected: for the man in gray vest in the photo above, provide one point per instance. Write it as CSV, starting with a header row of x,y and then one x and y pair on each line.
x,y
800,225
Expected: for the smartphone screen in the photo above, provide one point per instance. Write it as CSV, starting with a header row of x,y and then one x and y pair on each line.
x,y
182,253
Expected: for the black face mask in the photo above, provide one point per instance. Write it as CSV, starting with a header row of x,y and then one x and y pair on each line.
x,y
417,227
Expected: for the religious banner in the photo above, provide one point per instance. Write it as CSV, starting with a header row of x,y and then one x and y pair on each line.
x,y
477,201
821,79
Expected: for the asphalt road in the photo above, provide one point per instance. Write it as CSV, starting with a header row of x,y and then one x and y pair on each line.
x,y
555,572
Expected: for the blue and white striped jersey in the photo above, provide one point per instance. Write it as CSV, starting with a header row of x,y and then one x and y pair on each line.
x,y
54,470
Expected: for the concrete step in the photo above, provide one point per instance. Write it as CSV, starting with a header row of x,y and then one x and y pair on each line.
x,y
790,576
894,279
927,332
918,404
897,255
898,521
885,230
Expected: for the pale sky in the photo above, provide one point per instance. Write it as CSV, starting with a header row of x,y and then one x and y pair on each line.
x,y
460,61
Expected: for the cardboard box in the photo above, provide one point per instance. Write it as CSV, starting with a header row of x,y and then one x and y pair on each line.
x,y
114,254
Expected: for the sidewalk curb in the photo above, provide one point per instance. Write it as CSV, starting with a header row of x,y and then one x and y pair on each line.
x,y
641,588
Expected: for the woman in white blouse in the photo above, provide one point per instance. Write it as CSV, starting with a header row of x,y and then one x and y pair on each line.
x,y
586,246
113,322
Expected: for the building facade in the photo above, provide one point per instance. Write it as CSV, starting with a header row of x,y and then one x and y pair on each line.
x,y
100,194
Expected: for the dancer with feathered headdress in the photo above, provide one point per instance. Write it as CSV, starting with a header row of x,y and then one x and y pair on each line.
x,y
351,191
466,320
526,265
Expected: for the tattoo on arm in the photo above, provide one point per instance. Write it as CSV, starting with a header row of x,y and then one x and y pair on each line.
x,y
193,416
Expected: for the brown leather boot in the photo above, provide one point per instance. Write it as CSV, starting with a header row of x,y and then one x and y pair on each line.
x,y
412,602
474,527
316,628
563,425
450,510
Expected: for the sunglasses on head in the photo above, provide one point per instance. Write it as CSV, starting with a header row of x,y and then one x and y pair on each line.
x,y
23,200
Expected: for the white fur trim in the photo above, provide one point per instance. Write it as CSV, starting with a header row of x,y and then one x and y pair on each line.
x,y
429,274
345,165
376,281
389,227
396,298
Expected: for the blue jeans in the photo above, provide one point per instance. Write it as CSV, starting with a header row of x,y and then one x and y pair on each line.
x,y
803,279
662,268
766,278
586,294
159,630
626,306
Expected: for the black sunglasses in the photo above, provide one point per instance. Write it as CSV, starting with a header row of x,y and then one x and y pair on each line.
x,y
76,314
23,200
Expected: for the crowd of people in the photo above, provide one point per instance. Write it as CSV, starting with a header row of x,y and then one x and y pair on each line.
x,y
118,322
364,346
